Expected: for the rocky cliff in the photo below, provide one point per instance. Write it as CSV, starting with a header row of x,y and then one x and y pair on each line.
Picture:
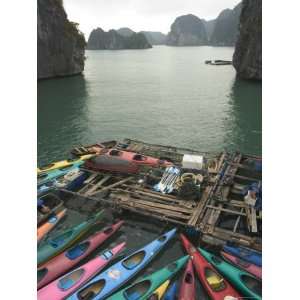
x,y
209,27
226,26
60,45
155,37
248,49
112,40
187,30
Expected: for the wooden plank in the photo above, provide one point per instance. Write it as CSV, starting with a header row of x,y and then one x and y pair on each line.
x,y
96,186
226,210
113,185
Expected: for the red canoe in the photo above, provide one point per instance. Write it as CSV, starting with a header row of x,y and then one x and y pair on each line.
x,y
69,258
187,289
216,286
242,264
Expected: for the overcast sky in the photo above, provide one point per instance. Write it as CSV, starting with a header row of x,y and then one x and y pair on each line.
x,y
152,15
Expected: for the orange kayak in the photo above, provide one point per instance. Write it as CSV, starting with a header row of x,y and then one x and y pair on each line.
x,y
50,224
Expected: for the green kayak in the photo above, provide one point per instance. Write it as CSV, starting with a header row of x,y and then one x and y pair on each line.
x,y
144,288
56,245
246,283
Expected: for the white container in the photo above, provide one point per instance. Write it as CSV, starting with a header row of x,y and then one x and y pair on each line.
x,y
192,161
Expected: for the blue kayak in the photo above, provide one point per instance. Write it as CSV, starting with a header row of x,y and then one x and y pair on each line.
x,y
117,275
246,254
45,177
171,293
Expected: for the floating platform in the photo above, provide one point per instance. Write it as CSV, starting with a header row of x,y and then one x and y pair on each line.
x,y
218,62
219,214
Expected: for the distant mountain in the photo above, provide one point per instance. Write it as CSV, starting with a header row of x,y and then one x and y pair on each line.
x,y
226,26
112,40
125,31
187,30
155,37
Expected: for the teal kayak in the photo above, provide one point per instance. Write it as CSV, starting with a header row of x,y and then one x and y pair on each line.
x,y
143,289
247,284
56,245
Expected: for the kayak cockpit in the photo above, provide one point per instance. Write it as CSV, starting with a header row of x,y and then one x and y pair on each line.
x,y
91,290
70,280
134,260
215,281
77,250
56,242
252,284
137,291
41,273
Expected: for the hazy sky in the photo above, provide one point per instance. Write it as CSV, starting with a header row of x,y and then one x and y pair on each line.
x,y
152,15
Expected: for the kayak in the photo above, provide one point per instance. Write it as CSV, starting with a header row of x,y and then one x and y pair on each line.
x,y
56,245
171,292
50,224
68,259
251,268
246,283
45,177
246,254
188,288
143,289
65,285
71,181
62,164
159,293
118,274
216,286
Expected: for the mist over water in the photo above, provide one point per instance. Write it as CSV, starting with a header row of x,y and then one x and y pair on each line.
x,y
162,95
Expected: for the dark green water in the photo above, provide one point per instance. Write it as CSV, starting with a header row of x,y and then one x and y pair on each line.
x,y
163,95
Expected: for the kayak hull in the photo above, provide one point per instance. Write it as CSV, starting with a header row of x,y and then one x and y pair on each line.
x,y
59,289
66,260
187,289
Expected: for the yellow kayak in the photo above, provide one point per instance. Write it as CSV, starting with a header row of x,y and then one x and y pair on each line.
x,y
63,163
161,290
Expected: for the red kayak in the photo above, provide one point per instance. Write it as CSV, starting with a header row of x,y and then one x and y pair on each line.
x,y
187,289
251,268
69,258
67,284
216,286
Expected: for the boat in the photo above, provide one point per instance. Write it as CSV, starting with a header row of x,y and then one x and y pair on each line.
x,y
143,288
216,285
242,264
104,284
247,284
69,258
246,254
62,164
171,293
45,177
159,293
58,244
93,149
188,288
66,284
50,224
71,181
52,202
218,62
137,158
111,164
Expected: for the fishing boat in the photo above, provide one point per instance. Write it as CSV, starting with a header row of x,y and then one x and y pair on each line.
x,y
242,264
104,284
159,293
93,149
246,254
137,158
65,285
171,293
216,286
70,181
50,224
68,259
62,164
56,245
188,288
143,289
45,177
247,284
53,204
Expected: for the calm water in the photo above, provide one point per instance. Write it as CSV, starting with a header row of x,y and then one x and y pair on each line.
x,y
162,95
